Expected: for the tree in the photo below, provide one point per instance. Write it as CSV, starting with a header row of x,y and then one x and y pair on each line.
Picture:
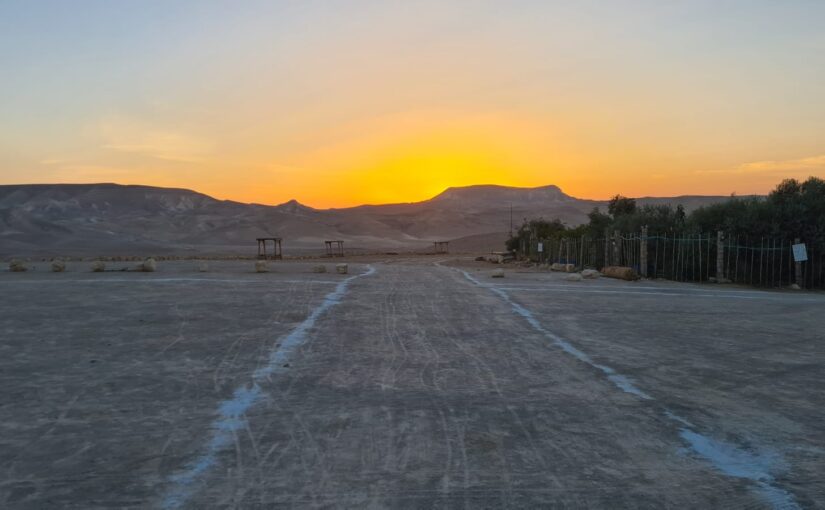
x,y
599,221
536,229
620,206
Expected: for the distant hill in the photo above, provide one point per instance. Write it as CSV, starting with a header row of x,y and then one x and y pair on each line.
x,y
112,219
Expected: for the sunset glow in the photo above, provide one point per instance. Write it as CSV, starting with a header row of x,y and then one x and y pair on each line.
x,y
343,103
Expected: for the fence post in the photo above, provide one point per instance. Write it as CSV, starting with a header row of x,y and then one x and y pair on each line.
x,y
606,248
617,248
720,257
798,269
643,254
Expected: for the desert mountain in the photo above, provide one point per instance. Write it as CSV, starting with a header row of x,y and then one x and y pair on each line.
x,y
112,219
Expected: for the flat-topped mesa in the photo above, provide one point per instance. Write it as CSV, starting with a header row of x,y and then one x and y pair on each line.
x,y
490,195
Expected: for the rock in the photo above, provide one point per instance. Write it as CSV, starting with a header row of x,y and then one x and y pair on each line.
x,y
58,266
342,269
590,274
203,267
574,277
261,266
149,265
795,287
567,268
17,266
622,273
480,259
319,269
98,266
497,273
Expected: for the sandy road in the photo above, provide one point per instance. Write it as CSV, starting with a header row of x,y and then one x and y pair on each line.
x,y
415,388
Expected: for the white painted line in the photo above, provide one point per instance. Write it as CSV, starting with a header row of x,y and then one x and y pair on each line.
x,y
232,412
764,296
168,280
756,466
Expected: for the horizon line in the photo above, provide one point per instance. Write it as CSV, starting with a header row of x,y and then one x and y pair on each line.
x,y
297,201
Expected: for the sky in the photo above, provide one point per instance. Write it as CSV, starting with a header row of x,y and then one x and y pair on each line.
x,y
342,103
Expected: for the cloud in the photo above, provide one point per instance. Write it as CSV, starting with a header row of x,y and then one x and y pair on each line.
x,y
125,135
809,164
786,167
90,173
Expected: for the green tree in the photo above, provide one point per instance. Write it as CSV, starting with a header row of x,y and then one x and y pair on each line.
x,y
621,206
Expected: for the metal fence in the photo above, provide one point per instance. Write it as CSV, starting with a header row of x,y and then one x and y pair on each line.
x,y
702,257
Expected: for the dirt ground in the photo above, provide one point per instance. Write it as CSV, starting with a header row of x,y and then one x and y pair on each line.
x,y
411,382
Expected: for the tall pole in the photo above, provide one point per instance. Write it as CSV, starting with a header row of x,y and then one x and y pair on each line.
x,y
511,219
720,257
643,252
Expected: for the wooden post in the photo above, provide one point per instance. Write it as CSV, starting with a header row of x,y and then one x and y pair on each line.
x,y
606,247
617,248
643,252
720,257
798,269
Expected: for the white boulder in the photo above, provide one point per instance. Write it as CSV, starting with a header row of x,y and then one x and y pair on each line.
x,y
590,274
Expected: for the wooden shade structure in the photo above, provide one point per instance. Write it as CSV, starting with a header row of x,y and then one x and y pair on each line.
x,y
276,248
335,248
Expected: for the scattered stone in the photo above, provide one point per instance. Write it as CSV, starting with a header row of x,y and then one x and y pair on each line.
x,y
795,287
590,274
566,268
497,273
319,269
342,269
203,267
574,277
17,266
261,266
58,266
98,266
149,265
622,273
480,259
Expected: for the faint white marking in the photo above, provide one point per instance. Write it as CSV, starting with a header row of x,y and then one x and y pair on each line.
x,y
138,279
767,296
730,459
231,413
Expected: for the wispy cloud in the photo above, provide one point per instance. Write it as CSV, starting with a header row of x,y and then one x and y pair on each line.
x,y
90,173
124,135
785,167
812,163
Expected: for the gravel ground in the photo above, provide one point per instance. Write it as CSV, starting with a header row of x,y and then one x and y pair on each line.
x,y
411,382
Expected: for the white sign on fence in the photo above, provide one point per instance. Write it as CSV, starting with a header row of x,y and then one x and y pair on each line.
x,y
541,247
800,253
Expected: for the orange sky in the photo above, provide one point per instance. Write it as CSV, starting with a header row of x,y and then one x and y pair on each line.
x,y
338,104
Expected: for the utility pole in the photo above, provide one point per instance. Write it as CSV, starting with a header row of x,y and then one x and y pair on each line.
x,y
511,219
